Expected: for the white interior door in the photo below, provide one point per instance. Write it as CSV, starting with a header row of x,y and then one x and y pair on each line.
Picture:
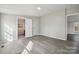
x,y
28,27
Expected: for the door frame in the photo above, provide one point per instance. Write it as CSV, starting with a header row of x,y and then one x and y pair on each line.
x,y
25,25
67,19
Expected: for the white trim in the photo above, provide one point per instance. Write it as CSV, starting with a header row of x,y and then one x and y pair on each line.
x,y
17,26
66,24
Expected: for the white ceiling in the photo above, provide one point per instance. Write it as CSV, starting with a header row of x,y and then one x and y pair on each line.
x,y
31,9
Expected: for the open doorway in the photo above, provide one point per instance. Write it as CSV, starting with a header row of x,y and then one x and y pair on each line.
x,y
73,28
24,27
21,27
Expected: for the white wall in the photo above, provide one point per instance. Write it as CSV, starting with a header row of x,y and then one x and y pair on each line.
x,y
8,27
0,26
35,22
10,21
53,25
72,11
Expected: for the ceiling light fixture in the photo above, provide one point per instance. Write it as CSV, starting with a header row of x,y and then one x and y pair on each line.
x,y
39,8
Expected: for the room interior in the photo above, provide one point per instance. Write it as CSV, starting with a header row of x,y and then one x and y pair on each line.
x,y
21,27
73,27
38,29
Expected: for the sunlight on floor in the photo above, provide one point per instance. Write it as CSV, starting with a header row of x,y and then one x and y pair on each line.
x,y
25,52
8,33
28,48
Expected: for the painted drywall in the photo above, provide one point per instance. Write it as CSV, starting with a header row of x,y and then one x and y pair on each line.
x,y
72,11
10,21
35,23
8,27
70,24
53,25
0,26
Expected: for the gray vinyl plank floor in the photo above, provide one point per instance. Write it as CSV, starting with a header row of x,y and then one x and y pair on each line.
x,y
39,45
